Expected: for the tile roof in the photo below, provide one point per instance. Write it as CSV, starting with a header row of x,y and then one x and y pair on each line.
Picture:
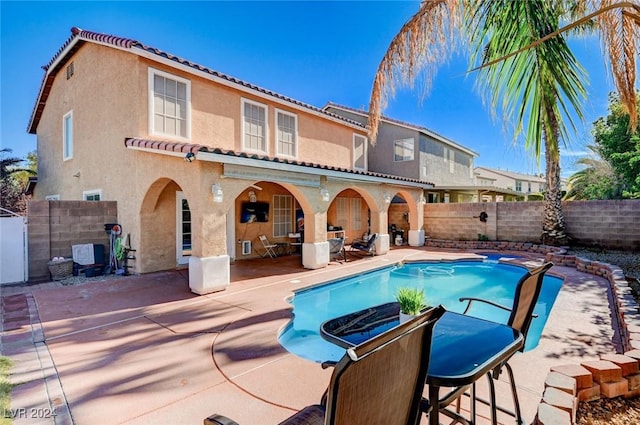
x,y
80,36
134,142
512,174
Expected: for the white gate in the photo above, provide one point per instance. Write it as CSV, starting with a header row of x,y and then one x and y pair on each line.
x,y
13,248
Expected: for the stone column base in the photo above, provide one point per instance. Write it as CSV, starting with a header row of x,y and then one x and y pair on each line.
x,y
209,274
315,255
382,244
416,237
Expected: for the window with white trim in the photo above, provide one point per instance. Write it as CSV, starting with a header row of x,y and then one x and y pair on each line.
x,y
518,186
403,150
67,135
359,152
254,126
169,104
282,215
286,134
92,195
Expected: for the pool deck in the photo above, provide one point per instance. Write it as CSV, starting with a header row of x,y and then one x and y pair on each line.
x,y
144,349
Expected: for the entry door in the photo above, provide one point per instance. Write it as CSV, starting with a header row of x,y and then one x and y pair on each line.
x,y
183,229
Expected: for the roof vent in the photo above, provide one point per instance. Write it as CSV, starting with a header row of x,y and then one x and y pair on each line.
x,y
70,70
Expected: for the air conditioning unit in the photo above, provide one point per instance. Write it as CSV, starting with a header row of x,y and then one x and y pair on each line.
x,y
246,247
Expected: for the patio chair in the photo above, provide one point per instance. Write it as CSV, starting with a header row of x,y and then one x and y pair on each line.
x,y
336,248
377,382
521,315
269,248
368,247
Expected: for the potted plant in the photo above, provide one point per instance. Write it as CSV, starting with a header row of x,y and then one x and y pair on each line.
x,y
411,300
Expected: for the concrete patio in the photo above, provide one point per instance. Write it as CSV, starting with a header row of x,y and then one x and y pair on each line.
x,y
144,349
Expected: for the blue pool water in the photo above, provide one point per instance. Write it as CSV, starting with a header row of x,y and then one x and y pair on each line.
x,y
443,283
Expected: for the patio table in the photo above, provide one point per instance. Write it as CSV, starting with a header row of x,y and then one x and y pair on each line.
x,y
463,348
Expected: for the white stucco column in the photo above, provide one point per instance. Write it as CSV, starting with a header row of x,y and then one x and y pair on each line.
x,y
209,264
315,249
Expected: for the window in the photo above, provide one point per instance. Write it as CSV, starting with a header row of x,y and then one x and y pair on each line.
x,y
92,195
282,215
359,152
287,134
452,161
254,126
518,186
403,150
67,136
169,104
529,188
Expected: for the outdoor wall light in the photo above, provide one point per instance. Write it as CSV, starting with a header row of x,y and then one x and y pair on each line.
x,y
190,157
386,197
218,195
324,192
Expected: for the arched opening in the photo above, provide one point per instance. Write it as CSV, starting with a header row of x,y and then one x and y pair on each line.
x,y
272,210
165,227
350,214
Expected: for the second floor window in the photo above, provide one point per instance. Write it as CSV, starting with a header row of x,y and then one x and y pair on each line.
x,y
287,134
403,150
67,135
254,126
518,186
359,152
169,104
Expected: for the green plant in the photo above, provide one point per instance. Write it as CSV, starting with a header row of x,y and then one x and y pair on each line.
x,y
5,389
411,300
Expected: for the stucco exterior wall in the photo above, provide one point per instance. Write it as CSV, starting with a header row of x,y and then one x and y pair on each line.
x,y
381,156
216,121
607,224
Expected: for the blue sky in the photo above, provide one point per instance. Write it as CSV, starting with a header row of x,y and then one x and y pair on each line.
x,y
314,51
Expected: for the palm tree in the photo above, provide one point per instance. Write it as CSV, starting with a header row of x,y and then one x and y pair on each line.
x,y
596,180
525,63
8,164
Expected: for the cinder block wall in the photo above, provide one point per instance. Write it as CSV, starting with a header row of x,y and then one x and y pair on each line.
x,y
54,226
459,221
609,224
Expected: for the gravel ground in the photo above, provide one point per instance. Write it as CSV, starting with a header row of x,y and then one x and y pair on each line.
x,y
614,411
628,261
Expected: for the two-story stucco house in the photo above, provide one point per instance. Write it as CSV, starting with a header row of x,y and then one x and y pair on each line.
x,y
522,184
201,164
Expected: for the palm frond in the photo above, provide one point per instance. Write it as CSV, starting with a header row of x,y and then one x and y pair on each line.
x,y
423,43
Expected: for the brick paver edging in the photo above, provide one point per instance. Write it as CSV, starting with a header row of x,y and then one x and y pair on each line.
x,y
613,375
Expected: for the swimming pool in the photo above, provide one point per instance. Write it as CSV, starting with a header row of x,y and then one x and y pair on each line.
x,y
443,283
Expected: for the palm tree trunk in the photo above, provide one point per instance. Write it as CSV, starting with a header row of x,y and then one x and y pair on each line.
x,y
553,229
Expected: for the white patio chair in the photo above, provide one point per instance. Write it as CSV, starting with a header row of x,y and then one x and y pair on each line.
x,y
269,248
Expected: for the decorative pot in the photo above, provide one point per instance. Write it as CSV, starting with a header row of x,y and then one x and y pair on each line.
x,y
405,317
